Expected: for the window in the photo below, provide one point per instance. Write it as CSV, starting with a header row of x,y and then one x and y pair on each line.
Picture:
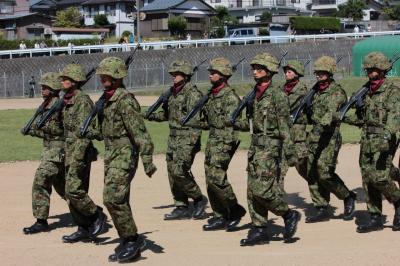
x,y
110,10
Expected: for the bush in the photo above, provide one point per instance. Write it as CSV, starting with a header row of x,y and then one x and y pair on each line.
x,y
263,32
177,25
315,23
101,20
126,33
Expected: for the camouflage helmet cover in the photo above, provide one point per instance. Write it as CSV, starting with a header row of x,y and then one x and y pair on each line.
x,y
51,80
74,72
296,66
325,63
222,65
180,66
376,60
266,60
113,67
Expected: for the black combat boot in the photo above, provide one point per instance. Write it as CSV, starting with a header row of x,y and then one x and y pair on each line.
x,y
321,216
291,218
374,224
235,218
99,224
80,235
114,257
179,213
396,219
39,226
256,236
131,249
349,206
217,223
199,205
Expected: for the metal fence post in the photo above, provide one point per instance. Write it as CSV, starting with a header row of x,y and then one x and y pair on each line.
x,y
242,67
5,85
163,73
23,84
145,74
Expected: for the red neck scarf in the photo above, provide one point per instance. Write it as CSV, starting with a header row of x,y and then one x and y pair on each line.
x,y
216,89
374,85
288,87
108,94
261,88
178,87
68,96
323,85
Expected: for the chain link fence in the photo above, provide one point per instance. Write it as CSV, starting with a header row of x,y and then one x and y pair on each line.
x,y
148,76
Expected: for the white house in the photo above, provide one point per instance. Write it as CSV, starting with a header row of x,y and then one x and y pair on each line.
x,y
118,12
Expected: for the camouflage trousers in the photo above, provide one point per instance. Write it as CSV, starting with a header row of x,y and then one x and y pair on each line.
x,y
301,168
48,174
264,190
181,152
378,176
81,206
118,176
321,166
218,155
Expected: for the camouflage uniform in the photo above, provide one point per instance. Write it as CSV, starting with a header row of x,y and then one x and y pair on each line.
x,y
79,151
184,141
270,137
51,169
221,146
380,122
298,130
125,136
325,139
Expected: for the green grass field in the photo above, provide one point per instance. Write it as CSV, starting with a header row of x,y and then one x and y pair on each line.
x,y
16,147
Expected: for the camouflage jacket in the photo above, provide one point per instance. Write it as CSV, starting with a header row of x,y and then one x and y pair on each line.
x,y
179,106
270,122
217,111
325,115
74,114
380,116
298,130
52,134
123,121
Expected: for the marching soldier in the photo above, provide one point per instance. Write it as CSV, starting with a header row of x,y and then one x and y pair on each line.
x,y
295,90
125,137
221,146
183,143
324,142
269,124
79,154
380,122
51,169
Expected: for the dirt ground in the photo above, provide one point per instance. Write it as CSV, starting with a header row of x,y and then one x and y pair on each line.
x,y
183,242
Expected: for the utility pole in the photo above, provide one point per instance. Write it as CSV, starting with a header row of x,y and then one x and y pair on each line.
x,y
138,20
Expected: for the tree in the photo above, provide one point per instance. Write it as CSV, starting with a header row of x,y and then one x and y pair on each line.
x,y
101,20
352,9
393,12
177,25
222,19
68,18
266,17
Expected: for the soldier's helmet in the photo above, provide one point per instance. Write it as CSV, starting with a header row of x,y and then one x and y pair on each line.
x,y
376,60
222,65
266,60
51,80
296,66
113,67
180,66
74,72
325,63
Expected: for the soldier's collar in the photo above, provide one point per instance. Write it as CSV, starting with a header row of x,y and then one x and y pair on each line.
x,y
76,94
116,95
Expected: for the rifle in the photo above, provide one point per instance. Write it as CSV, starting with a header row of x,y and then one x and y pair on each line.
x,y
249,98
163,99
358,97
40,110
306,101
98,107
204,99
